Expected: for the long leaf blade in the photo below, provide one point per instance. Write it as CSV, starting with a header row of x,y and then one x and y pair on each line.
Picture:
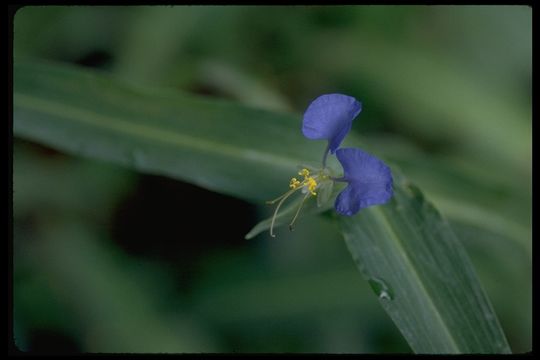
x,y
207,142
422,275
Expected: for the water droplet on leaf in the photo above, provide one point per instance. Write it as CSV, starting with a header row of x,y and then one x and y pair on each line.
x,y
380,288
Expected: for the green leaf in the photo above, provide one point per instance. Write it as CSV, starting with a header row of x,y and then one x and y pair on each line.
x,y
409,254
465,191
218,145
422,275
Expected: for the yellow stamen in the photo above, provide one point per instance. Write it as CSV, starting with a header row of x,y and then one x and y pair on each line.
x,y
270,202
298,212
287,194
311,185
308,185
294,183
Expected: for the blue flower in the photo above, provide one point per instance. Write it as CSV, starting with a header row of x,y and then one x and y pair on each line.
x,y
369,181
330,117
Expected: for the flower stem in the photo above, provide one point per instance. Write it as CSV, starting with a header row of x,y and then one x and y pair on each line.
x,y
270,202
326,151
287,194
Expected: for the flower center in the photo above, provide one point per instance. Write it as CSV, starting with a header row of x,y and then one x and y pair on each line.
x,y
308,183
307,186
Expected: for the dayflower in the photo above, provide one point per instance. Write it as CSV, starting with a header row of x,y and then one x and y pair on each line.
x,y
369,180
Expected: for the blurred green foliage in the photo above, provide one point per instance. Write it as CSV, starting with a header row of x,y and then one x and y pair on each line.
x,y
447,96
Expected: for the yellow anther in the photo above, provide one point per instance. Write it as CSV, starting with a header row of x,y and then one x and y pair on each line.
x,y
311,185
304,173
294,183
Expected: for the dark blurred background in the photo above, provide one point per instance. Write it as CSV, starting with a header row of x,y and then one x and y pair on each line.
x,y
110,260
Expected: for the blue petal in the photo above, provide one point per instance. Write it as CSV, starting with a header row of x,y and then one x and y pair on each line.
x,y
330,117
370,181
